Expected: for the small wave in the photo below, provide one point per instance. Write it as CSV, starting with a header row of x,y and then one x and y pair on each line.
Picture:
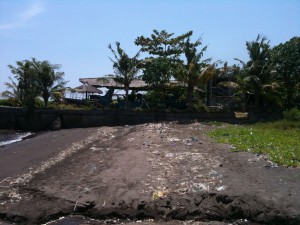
x,y
14,138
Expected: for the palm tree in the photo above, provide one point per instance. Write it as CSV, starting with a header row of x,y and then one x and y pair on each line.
x,y
50,81
256,77
195,72
12,91
286,64
28,88
125,68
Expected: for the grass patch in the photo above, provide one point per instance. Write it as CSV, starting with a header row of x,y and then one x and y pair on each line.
x,y
279,140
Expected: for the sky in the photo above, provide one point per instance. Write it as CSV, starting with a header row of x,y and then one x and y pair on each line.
x,y
76,33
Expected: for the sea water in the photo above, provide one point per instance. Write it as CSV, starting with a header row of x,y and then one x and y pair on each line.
x,y
11,136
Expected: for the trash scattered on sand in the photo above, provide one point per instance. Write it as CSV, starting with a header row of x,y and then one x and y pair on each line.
x,y
200,187
173,139
221,188
94,149
260,157
159,194
271,164
200,176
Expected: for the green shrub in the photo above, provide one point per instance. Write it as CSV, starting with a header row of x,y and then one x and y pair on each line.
x,y
156,100
113,104
292,114
57,97
264,138
63,106
38,103
169,98
200,107
9,102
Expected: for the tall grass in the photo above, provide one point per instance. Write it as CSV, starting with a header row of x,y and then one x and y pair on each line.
x,y
279,140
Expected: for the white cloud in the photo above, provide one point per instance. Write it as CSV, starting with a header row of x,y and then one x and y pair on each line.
x,y
24,17
34,10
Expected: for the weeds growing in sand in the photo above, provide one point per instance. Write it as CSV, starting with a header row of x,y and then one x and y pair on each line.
x,y
279,140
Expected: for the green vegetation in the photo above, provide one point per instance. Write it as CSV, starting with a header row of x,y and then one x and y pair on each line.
x,y
33,79
279,140
292,115
11,102
268,81
49,79
255,77
195,72
63,106
285,61
125,68
165,51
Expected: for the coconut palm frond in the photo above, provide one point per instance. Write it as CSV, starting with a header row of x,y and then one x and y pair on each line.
x,y
252,79
12,90
7,94
125,68
241,62
229,84
271,86
206,74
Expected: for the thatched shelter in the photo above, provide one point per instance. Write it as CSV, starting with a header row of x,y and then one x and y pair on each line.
x,y
111,83
87,88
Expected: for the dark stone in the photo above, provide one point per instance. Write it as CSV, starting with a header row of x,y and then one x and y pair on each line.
x,y
56,124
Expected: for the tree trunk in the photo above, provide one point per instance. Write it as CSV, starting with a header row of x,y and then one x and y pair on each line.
x,y
46,102
46,99
190,91
257,101
209,92
290,88
126,97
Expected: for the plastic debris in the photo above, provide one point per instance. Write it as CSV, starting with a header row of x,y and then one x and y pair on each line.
x,y
271,164
200,187
221,188
191,140
159,194
213,173
174,139
95,149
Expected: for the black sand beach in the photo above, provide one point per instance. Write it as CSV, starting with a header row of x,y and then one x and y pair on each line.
x,y
163,173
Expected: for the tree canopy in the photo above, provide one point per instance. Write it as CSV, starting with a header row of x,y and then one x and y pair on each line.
x,y
269,78
49,78
162,43
255,77
34,78
125,68
286,64
165,50
195,71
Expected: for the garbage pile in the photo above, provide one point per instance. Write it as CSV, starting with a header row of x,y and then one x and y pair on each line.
x,y
177,149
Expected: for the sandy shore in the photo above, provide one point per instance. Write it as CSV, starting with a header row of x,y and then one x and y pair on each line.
x,y
163,172
19,157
